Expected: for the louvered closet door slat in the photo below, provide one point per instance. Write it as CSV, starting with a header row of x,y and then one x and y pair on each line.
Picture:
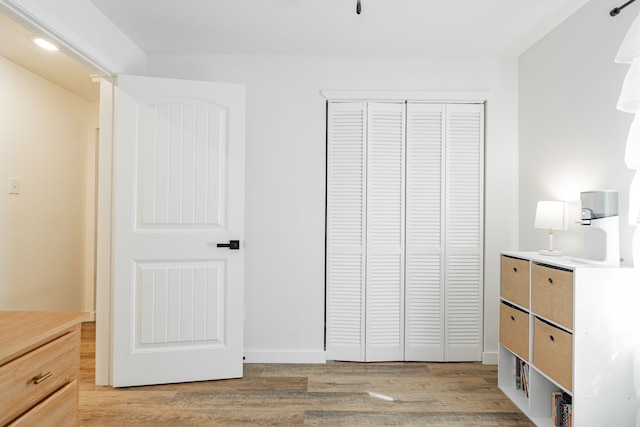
x,y
465,147
424,317
385,232
345,230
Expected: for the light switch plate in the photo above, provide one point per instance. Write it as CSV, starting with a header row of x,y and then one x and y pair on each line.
x,y
14,186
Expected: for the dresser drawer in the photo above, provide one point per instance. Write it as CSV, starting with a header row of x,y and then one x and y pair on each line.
x,y
552,294
514,330
19,392
514,280
60,409
553,352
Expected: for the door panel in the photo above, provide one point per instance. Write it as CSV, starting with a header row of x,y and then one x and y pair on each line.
x,y
179,191
464,232
424,336
182,165
181,303
385,232
346,186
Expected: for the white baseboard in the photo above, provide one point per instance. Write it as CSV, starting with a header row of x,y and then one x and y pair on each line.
x,y
490,358
285,356
312,356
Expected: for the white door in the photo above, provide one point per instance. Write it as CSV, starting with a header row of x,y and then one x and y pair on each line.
x,y
464,235
365,231
425,222
179,192
346,230
404,231
385,232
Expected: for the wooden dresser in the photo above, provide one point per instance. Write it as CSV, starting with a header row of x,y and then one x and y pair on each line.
x,y
39,364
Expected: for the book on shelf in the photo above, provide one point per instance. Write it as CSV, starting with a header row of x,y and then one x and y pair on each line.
x,y
561,409
567,415
556,397
522,375
525,378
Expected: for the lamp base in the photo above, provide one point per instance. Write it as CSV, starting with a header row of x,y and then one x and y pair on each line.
x,y
550,253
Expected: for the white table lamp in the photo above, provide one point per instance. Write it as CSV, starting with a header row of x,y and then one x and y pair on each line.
x,y
551,215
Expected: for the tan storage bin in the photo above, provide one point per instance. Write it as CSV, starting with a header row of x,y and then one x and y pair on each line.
x,y
514,280
514,330
552,294
553,352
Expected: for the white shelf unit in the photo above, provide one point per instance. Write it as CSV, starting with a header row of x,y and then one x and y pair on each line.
x,y
594,314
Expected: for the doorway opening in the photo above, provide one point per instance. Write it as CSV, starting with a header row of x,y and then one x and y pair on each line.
x,y
53,151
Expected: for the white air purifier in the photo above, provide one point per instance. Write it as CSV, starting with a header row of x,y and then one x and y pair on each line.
x,y
601,226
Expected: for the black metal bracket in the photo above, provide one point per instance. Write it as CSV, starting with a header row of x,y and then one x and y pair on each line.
x,y
616,10
233,244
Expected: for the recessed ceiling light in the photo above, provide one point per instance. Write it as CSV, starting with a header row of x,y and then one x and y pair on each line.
x,y
45,44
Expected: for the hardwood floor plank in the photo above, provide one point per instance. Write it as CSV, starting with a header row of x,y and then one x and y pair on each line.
x,y
417,419
167,417
332,394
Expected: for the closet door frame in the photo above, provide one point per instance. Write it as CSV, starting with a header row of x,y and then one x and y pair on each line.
x,y
444,97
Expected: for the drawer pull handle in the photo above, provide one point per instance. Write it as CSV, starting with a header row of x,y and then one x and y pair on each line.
x,y
551,338
550,280
513,318
39,378
515,269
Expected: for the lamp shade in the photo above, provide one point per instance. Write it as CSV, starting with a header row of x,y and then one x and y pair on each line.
x,y
551,215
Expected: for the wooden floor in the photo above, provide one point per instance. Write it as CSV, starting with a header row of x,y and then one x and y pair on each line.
x,y
332,394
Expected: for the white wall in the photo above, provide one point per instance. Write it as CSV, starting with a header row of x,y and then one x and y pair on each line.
x,y
285,164
572,137
286,161
44,136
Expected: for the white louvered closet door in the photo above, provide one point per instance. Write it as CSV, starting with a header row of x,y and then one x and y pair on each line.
x,y
445,145
404,231
385,233
424,319
464,231
345,258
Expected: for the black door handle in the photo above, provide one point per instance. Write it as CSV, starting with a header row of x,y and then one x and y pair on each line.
x,y
233,244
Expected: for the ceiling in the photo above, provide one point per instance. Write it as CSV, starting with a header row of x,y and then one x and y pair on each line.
x,y
442,28
54,66
451,28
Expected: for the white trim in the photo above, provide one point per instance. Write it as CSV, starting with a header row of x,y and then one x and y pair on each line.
x,y
285,356
104,236
475,97
490,358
